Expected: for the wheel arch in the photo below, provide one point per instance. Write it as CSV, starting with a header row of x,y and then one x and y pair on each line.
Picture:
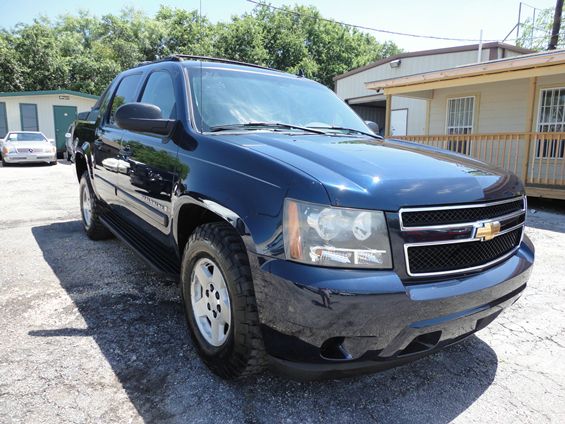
x,y
189,214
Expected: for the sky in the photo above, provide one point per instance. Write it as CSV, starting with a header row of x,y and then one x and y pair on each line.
x,y
443,18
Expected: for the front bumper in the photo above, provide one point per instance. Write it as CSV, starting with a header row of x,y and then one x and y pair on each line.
x,y
30,157
320,322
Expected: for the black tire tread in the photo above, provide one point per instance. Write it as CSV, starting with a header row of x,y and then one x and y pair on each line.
x,y
248,352
97,230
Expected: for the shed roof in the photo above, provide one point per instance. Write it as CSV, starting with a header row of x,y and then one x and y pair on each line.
x,y
431,52
46,92
525,66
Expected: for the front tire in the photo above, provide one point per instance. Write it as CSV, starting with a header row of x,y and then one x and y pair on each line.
x,y
93,227
219,301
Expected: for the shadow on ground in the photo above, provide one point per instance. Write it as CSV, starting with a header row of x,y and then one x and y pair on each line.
x,y
541,214
136,319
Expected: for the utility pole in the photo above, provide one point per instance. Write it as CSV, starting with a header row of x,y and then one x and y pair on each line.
x,y
556,26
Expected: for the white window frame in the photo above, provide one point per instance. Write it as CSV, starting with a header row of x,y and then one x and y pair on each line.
x,y
554,149
462,128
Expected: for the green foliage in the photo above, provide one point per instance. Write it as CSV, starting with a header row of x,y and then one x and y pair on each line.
x,y
536,35
84,52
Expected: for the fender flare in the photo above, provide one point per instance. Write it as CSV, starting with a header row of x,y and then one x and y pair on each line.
x,y
216,208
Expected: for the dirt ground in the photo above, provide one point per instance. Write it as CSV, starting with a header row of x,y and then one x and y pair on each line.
x,y
89,334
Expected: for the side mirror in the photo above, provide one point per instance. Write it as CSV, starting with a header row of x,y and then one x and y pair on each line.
x,y
143,117
373,126
50,140
68,135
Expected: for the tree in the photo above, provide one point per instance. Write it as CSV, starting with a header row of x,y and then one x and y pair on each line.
x,y
536,35
84,52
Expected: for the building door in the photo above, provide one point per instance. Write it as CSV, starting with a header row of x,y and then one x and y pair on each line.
x,y
64,116
398,122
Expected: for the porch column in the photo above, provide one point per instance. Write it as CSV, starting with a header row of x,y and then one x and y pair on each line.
x,y
529,126
388,98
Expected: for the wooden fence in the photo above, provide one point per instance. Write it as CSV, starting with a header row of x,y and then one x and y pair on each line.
x,y
538,158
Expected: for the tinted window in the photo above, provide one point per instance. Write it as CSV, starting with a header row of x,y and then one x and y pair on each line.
x,y
126,93
3,120
160,91
93,114
28,114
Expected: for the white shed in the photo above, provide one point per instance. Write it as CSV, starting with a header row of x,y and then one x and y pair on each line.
x,y
408,115
50,112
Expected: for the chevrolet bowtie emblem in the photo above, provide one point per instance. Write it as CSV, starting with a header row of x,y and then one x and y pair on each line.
x,y
488,231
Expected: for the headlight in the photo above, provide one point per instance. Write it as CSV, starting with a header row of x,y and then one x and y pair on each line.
x,y
8,149
337,237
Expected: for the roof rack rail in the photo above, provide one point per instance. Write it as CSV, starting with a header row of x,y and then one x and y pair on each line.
x,y
181,57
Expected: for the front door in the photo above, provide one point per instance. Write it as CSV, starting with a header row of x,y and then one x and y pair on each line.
x,y
152,165
64,117
398,122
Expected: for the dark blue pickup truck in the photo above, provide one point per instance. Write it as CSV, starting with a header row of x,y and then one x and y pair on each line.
x,y
301,239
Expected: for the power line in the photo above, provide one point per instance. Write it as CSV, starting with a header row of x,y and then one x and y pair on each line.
x,y
384,31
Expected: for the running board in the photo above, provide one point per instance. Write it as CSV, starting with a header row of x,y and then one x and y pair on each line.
x,y
148,249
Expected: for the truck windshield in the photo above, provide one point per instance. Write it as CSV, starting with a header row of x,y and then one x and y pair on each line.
x,y
233,100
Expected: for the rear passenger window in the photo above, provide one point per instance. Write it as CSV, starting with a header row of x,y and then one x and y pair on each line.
x,y
160,91
126,93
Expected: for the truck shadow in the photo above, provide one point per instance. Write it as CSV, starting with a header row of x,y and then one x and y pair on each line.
x,y
136,319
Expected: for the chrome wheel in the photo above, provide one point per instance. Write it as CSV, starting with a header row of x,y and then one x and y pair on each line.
x,y
86,207
210,301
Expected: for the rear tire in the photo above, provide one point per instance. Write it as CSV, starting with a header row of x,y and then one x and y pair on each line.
x,y
215,255
89,208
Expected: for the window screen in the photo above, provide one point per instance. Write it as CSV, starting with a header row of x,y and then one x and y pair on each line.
x,y
28,113
160,91
126,93
3,120
551,119
460,115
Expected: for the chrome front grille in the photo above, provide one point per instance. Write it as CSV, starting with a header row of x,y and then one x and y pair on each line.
x,y
462,238
26,150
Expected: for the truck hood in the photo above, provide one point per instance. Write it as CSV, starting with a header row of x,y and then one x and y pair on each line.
x,y
386,174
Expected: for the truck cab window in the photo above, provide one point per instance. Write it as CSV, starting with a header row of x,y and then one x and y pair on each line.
x,y
126,93
160,91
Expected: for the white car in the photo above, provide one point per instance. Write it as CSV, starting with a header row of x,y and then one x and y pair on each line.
x,y
27,147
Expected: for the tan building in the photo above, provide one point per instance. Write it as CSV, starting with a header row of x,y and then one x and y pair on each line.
x,y
408,115
509,112
50,112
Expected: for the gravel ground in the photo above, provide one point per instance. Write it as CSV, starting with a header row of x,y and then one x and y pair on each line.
x,y
89,334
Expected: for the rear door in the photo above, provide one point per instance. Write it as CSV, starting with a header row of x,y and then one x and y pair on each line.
x,y
145,191
108,162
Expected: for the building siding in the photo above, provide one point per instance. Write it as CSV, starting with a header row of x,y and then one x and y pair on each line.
x,y
45,103
499,107
354,85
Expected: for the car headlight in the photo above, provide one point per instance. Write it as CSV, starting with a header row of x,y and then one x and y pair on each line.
x,y
8,149
337,237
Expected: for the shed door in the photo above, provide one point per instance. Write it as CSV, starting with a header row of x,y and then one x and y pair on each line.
x,y
64,116
398,121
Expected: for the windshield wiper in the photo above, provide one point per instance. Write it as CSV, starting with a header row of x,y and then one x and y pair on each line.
x,y
253,125
350,131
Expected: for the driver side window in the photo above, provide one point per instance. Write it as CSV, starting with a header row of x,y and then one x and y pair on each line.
x,y
126,93
160,91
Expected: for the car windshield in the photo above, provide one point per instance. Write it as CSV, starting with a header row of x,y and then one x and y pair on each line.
x,y
25,137
227,99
